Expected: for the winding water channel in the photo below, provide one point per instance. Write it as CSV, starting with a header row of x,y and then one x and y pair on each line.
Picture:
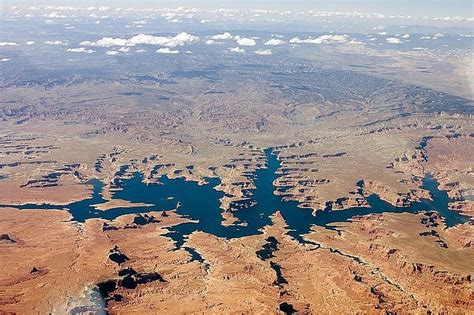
x,y
201,203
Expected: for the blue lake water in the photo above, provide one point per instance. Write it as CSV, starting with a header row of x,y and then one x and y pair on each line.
x,y
201,203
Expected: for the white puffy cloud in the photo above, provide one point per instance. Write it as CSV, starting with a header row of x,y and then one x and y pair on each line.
x,y
263,52
144,39
237,50
405,36
8,44
324,39
169,15
223,36
212,42
30,42
81,50
274,42
5,59
124,49
106,42
166,50
244,41
393,40
111,52
55,42
178,40
55,15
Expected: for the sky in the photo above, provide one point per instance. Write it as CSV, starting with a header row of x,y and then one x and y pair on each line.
x,y
393,7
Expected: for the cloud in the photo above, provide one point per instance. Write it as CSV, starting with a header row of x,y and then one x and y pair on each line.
x,y
324,39
8,44
405,36
55,15
111,52
81,50
106,42
263,52
274,42
55,42
167,51
223,36
212,42
243,41
181,13
124,49
393,40
144,39
5,59
178,40
30,42
237,50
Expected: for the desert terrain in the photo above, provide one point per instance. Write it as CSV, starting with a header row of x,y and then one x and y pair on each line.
x,y
341,132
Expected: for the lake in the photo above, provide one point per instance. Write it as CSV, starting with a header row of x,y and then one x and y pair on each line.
x,y
201,203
